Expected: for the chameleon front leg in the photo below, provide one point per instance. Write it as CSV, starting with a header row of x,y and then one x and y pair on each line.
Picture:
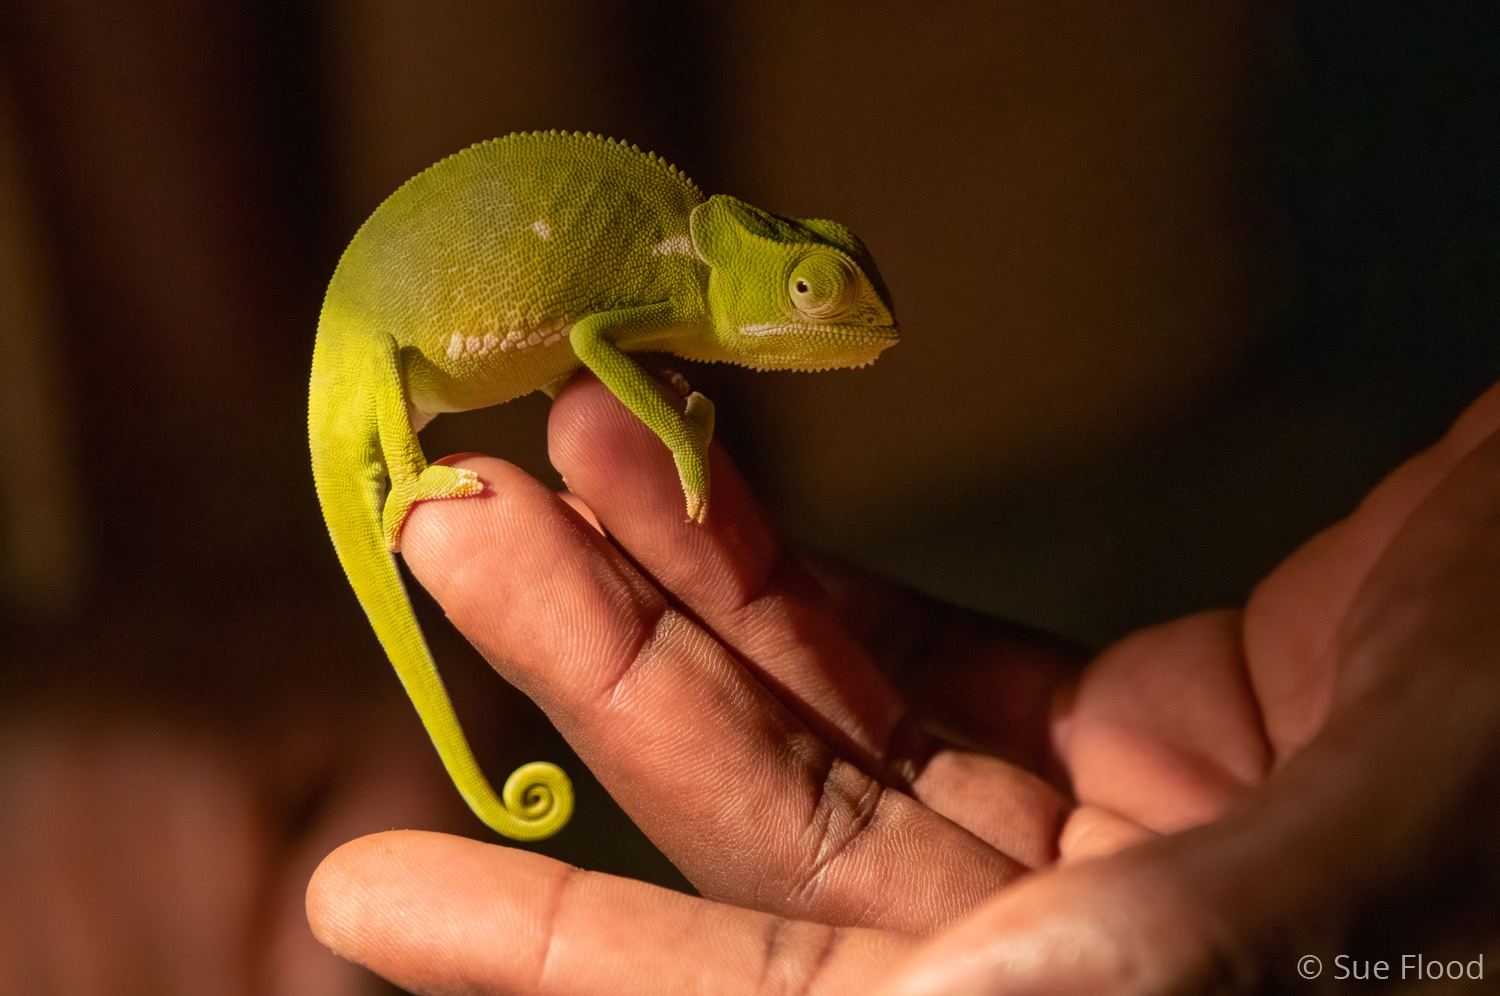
x,y
687,433
411,478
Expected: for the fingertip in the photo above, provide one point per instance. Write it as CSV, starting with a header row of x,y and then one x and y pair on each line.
x,y
583,400
430,910
596,442
628,479
458,459
338,894
1092,831
442,533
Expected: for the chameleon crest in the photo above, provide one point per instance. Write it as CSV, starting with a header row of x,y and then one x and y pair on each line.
x,y
502,269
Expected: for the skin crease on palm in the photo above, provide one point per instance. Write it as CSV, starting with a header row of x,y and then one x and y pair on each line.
x,y
1188,812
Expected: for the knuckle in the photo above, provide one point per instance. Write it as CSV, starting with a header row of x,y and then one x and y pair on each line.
x,y
844,807
795,956
653,626
562,887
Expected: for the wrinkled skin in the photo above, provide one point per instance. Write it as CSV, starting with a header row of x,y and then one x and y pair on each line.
x,y
1311,775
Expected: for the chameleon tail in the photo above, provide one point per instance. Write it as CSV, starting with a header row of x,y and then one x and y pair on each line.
x,y
348,384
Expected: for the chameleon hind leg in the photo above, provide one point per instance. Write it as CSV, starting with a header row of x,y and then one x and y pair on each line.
x,y
537,799
412,479
687,433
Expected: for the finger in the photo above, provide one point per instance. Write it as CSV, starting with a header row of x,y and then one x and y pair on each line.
x,y
1163,728
1293,617
440,914
739,794
1375,839
733,574
1007,807
1093,832
984,682
1228,907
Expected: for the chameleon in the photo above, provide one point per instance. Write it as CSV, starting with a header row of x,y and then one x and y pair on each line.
x,y
499,271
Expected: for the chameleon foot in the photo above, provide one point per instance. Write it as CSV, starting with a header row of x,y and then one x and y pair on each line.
x,y
433,482
692,460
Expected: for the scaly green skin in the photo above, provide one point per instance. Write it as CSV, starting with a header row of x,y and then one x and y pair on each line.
x,y
499,271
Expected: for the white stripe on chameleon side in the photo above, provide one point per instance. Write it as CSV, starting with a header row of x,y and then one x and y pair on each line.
x,y
673,245
460,345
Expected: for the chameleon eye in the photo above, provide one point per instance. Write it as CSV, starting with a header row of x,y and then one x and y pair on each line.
x,y
821,285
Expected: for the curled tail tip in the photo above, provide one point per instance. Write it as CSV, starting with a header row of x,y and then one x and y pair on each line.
x,y
538,802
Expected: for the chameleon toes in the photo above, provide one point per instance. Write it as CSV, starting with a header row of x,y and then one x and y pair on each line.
x,y
697,507
432,483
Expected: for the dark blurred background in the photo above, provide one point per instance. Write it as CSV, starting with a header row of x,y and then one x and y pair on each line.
x,y
1179,281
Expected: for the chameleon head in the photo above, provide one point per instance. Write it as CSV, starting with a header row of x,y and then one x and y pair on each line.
x,y
789,295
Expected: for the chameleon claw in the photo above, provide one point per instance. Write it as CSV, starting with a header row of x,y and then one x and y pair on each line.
x,y
697,507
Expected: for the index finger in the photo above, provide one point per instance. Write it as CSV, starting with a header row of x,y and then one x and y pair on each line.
x,y
749,803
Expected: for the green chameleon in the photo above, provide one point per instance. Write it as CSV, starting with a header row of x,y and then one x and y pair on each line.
x,y
498,272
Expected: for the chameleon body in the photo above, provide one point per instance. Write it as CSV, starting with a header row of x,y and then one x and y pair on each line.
x,y
495,273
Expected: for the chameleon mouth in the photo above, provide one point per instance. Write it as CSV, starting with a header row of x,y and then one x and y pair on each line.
x,y
831,348
843,333
872,339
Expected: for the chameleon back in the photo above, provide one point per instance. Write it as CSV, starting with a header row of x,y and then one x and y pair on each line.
x,y
461,265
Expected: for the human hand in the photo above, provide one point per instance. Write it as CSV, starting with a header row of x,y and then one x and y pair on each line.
x,y
1358,694
1164,733
728,701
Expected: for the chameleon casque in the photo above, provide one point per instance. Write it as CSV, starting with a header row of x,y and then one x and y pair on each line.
x,y
499,271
